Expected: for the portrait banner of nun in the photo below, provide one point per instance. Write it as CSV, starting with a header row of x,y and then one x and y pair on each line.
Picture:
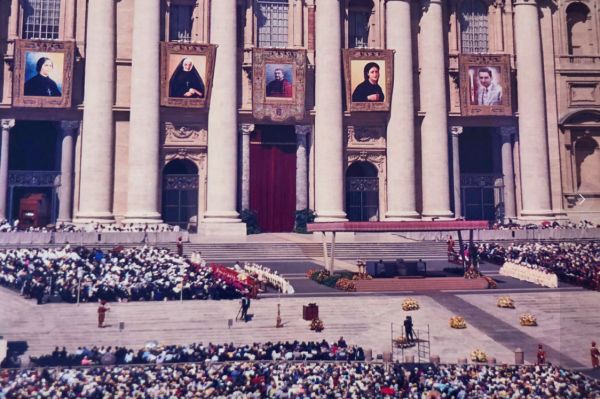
x,y
186,74
43,74
369,79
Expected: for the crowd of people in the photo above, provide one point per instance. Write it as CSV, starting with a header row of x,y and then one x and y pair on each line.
x,y
512,225
573,262
256,379
135,274
153,353
7,227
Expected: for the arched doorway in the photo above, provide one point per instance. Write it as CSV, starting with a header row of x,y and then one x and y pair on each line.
x,y
34,173
180,192
362,192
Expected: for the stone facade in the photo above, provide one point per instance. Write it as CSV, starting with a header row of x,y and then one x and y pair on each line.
x,y
115,140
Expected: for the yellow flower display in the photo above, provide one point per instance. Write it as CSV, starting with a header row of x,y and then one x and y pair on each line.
x,y
458,322
528,319
410,304
478,356
506,302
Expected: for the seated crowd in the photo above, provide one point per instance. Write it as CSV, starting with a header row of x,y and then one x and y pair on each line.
x,y
197,352
145,273
512,225
261,379
573,262
7,227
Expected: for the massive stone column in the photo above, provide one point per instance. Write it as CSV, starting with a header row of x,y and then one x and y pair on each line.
x,y
510,208
221,216
401,192
302,131
144,121
329,147
7,124
434,128
535,174
455,132
65,195
247,129
97,152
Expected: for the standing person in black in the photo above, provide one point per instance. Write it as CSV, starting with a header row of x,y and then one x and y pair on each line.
x,y
180,246
245,307
408,328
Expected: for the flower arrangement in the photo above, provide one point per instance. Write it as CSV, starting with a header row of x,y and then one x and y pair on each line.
x,y
317,325
478,356
506,302
403,342
528,320
345,285
458,322
471,273
491,282
410,304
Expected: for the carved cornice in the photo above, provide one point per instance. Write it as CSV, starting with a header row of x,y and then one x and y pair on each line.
x,y
197,156
365,136
377,158
178,134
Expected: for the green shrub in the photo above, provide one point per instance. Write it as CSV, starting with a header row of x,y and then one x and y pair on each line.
x,y
303,217
249,217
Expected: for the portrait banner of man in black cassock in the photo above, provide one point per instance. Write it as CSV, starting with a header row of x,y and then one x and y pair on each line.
x,y
43,74
278,84
186,74
368,75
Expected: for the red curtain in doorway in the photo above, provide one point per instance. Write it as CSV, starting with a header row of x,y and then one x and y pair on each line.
x,y
273,185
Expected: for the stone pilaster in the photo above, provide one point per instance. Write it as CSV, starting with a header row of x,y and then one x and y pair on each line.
x,y
434,128
221,216
144,126
510,208
535,174
7,124
401,189
97,152
455,132
247,129
65,195
329,175
302,131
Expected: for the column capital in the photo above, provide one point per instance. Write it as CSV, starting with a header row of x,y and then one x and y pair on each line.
x,y
8,124
456,130
508,131
69,126
525,2
247,128
303,130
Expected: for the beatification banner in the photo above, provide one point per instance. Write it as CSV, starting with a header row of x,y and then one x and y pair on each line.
x,y
43,73
278,84
186,73
369,78
485,85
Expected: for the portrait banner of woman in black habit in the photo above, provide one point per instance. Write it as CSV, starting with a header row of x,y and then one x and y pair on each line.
x,y
368,79
43,76
186,74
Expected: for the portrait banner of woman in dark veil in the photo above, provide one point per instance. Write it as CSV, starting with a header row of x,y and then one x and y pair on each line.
x,y
186,74
368,75
43,74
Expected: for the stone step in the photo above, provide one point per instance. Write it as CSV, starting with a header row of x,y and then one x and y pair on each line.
x,y
420,284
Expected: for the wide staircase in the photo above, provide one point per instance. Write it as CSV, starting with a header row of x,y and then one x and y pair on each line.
x,y
292,251
216,252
